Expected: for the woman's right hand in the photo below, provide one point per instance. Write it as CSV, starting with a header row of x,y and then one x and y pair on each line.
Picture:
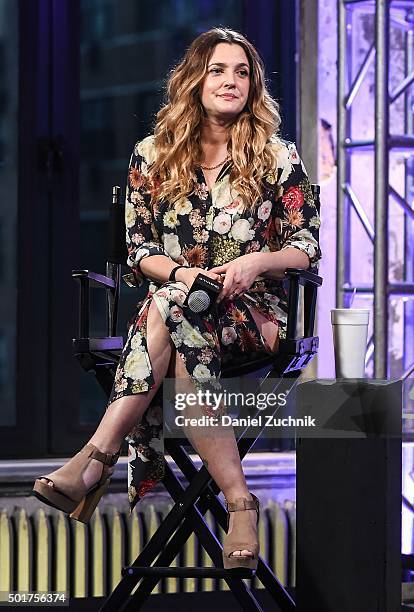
x,y
188,275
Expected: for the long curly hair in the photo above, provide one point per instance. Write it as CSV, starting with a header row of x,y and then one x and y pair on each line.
x,y
253,140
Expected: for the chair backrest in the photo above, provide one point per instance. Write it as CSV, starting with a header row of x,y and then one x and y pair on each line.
x,y
316,191
117,250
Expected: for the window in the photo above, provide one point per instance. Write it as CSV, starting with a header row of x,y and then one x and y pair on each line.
x,y
126,56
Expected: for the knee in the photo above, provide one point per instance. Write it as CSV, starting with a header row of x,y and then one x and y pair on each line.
x,y
169,300
172,293
166,305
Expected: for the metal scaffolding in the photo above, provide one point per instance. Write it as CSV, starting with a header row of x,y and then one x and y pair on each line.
x,y
388,13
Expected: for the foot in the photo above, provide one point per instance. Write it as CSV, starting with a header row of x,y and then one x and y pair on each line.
x,y
90,476
77,487
251,517
91,473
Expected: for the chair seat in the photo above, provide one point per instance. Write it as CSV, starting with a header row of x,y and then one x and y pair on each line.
x,y
292,354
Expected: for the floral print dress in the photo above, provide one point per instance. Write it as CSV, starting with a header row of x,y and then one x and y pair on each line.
x,y
204,230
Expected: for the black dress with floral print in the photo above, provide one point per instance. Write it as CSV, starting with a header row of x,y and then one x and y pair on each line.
x,y
205,229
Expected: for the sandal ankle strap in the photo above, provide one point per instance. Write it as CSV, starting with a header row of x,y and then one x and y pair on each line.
x,y
243,504
105,458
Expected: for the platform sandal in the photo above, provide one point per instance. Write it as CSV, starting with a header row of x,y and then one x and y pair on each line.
x,y
243,536
67,489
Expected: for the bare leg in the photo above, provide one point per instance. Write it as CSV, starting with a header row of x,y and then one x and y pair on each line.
x,y
220,455
123,414
268,330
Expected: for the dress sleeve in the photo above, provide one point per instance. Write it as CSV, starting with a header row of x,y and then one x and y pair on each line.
x,y
141,235
298,219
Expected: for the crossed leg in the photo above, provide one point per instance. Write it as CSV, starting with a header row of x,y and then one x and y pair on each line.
x,y
219,453
123,414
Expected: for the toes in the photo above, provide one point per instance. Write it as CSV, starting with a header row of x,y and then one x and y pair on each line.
x,y
46,481
247,553
242,553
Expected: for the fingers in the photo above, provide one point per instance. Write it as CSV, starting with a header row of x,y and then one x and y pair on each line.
x,y
220,269
216,277
231,287
228,294
233,282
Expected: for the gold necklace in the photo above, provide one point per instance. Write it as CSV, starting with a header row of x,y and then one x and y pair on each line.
x,y
218,165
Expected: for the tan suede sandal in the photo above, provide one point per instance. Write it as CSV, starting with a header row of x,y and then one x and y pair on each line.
x,y
67,489
242,535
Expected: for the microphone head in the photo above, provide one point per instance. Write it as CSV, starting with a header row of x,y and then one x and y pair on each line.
x,y
198,300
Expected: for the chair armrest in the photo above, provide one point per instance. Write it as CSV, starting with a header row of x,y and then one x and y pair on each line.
x,y
94,279
88,279
304,277
310,281
88,345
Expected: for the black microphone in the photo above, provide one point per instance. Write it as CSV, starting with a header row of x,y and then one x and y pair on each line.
x,y
202,294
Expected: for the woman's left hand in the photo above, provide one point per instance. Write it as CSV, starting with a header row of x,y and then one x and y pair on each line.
x,y
240,274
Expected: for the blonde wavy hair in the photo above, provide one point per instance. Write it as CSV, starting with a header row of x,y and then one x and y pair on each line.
x,y
252,136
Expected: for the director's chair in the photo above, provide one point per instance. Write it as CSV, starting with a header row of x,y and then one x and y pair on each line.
x,y
100,357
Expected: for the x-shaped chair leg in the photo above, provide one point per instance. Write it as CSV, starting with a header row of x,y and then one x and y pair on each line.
x,y
209,501
158,542
194,522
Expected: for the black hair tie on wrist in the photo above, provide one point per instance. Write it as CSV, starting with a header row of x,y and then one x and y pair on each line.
x,y
173,271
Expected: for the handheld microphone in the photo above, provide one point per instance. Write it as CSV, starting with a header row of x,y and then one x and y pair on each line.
x,y
202,294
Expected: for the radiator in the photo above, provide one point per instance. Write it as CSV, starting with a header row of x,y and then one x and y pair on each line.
x,y
49,552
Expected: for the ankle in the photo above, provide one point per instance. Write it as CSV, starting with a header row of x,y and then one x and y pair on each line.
x,y
233,495
105,446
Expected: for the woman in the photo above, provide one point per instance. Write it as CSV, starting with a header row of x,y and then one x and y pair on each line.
x,y
214,190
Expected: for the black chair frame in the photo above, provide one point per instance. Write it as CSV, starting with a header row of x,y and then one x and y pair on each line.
x,y
100,357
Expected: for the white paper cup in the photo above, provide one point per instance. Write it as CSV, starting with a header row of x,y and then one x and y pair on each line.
x,y
350,333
